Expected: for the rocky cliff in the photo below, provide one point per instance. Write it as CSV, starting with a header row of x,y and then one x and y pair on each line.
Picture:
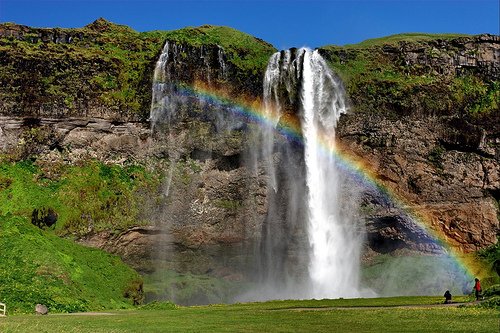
x,y
439,165
424,117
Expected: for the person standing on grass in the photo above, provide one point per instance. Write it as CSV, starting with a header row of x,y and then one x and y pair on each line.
x,y
447,297
477,289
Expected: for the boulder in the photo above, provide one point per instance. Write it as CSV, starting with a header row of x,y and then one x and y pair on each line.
x,y
41,309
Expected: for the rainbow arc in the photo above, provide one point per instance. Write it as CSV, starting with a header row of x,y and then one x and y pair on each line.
x,y
253,111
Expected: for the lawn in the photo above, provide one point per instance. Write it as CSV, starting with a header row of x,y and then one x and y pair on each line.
x,y
400,314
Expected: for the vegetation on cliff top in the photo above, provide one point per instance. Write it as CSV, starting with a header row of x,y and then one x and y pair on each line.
x,y
404,37
73,69
101,65
246,52
108,65
38,267
410,74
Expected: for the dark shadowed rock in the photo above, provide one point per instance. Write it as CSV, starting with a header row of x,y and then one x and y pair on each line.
x,y
44,217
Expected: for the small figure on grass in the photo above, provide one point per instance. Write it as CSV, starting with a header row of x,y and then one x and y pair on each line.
x,y
447,297
477,289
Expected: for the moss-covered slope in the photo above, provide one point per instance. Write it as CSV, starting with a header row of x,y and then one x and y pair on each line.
x,y
38,267
85,198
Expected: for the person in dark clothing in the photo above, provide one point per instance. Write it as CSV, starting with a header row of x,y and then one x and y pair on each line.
x,y
477,289
447,297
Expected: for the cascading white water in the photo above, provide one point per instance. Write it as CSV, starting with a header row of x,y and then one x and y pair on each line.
x,y
161,90
335,242
334,239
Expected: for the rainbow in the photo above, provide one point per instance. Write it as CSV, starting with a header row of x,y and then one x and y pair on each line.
x,y
252,111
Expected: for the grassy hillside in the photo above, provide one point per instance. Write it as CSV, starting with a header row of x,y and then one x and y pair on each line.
x,y
38,267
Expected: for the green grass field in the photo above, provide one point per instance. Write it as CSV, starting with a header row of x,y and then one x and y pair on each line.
x,y
398,314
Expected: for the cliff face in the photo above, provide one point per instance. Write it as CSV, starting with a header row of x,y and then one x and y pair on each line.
x,y
445,168
105,70
95,71
424,116
420,75
426,120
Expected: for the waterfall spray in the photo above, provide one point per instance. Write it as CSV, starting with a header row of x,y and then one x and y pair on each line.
x,y
309,245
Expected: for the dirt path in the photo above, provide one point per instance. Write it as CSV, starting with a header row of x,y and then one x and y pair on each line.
x,y
84,314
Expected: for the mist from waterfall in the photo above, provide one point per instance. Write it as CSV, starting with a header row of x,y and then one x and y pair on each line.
x,y
309,245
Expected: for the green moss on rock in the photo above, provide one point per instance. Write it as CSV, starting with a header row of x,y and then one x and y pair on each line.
x,y
90,197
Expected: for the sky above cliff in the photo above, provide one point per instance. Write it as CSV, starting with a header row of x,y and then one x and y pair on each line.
x,y
283,23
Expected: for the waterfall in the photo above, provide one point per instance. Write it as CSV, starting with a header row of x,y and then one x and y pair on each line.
x,y
309,244
298,208
300,82
165,101
335,242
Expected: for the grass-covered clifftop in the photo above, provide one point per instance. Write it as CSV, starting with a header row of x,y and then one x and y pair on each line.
x,y
102,69
64,72
105,69
434,74
247,53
